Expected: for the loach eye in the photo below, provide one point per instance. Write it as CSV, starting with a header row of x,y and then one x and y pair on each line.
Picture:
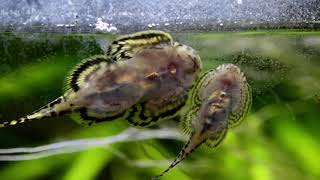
x,y
223,95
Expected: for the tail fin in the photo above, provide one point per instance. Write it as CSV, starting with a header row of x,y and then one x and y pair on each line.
x,y
190,146
57,107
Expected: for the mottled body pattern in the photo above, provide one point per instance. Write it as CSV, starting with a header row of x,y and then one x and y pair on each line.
x,y
220,100
144,77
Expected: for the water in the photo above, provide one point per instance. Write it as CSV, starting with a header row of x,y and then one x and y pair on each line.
x,y
279,139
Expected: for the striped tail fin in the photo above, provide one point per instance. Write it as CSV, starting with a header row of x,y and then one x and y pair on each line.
x,y
57,107
189,147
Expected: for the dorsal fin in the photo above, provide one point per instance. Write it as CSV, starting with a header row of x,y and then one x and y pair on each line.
x,y
126,46
84,69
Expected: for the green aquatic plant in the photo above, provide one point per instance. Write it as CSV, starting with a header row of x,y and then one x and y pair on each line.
x,y
144,77
219,101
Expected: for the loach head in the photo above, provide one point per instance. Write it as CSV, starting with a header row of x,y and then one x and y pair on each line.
x,y
173,68
219,94
189,62
179,64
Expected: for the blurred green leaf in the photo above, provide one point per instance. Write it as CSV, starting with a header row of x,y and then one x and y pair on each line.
x,y
88,164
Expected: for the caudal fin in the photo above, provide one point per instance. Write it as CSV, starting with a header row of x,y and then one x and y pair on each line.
x,y
190,146
57,107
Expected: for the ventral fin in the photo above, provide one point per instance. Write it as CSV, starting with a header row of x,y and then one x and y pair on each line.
x,y
139,115
83,70
201,81
126,46
186,119
216,140
86,117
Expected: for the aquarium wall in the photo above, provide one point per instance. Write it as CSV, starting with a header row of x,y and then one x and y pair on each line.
x,y
174,15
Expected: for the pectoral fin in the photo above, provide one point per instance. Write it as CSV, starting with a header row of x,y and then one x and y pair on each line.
x,y
80,73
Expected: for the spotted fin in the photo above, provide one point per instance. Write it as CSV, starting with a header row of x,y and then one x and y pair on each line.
x,y
237,116
86,117
194,93
58,107
126,46
139,115
83,70
186,119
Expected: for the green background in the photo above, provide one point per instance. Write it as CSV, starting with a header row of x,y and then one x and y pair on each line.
x,y
278,140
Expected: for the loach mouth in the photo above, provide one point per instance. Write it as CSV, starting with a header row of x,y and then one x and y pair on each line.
x,y
205,128
214,120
